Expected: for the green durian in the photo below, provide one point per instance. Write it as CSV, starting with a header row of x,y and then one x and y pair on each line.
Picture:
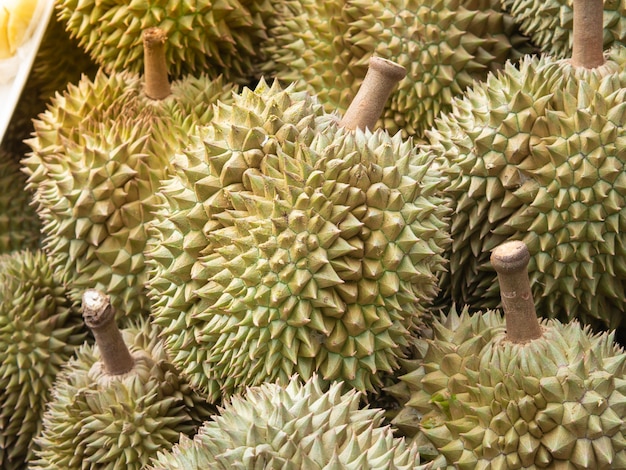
x,y
550,23
536,153
552,399
98,155
298,426
203,37
445,45
286,244
19,224
40,328
99,418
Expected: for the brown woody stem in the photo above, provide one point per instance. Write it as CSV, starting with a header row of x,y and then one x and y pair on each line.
x,y
155,65
369,102
99,316
588,34
510,260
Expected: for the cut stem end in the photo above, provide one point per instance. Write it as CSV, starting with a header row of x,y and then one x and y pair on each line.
x,y
369,102
588,41
510,260
155,66
99,316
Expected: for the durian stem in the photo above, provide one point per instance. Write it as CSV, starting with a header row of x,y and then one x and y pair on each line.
x,y
99,316
510,260
369,102
588,33
155,65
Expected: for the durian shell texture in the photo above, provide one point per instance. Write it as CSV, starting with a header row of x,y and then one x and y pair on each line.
x,y
445,45
40,328
287,245
299,426
537,154
488,403
549,23
107,422
98,156
211,37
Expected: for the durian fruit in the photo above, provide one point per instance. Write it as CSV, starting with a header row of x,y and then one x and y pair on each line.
x,y
98,155
115,405
203,37
298,426
40,328
59,61
19,224
445,45
507,393
15,24
536,153
550,23
289,244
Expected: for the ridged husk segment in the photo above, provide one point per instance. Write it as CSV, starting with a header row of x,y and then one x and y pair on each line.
x,y
293,427
445,45
40,329
536,154
553,402
98,156
286,245
99,421
550,23
202,37
19,224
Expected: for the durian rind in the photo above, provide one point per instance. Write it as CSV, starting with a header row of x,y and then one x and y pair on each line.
x,y
97,421
202,37
444,45
292,427
40,328
535,154
99,154
550,23
288,245
486,402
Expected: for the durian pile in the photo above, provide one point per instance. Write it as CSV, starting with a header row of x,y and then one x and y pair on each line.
x,y
297,234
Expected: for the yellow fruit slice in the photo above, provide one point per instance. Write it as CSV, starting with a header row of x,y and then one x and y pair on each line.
x,y
5,48
15,29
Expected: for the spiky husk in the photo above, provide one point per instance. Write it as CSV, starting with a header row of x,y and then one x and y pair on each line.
x,y
445,45
202,37
19,224
40,329
99,421
537,154
549,23
287,245
99,154
293,427
554,402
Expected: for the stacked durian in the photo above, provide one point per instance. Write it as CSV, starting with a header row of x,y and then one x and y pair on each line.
x,y
536,154
506,393
445,45
289,243
98,155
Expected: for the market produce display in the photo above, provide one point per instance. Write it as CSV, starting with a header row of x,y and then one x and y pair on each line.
x,y
312,235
